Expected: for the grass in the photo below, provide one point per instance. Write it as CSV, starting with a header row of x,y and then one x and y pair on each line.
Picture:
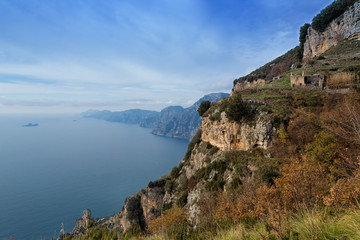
x,y
307,224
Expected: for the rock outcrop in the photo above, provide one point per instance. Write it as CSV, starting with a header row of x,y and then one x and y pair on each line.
x,y
83,223
230,136
222,135
343,27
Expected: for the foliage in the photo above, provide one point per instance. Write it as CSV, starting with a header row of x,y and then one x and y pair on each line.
x,y
204,106
167,206
302,39
322,148
169,186
345,193
213,150
174,172
182,201
196,140
173,223
303,184
330,13
157,183
96,233
216,116
238,110
283,136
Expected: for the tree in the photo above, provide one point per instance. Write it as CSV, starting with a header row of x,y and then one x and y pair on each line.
x,y
204,106
239,110
302,39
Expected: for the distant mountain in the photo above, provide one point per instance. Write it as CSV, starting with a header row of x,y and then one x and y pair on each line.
x,y
185,123
133,116
173,121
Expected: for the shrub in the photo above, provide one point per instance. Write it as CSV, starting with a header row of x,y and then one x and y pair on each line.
x,y
174,172
238,110
169,186
173,223
166,206
182,201
213,150
302,39
216,116
322,149
157,183
204,106
196,140
235,183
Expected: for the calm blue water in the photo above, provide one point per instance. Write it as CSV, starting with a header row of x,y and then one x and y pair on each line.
x,y
49,174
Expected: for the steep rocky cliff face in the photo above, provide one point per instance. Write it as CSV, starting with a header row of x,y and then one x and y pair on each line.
x,y
230,136
138,209
203,169
342,27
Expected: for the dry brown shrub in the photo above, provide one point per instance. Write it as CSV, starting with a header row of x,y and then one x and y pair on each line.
x,y
341,79
302,128
345,193
303,183
174,218
253,202
344,121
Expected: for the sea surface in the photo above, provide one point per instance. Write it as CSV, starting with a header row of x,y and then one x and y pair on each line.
x,y
50,173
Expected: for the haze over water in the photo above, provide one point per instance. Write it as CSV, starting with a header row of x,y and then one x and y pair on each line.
x,y
50,173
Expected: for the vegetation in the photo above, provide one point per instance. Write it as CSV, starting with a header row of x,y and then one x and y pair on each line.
x,y
196,140
238,110
302,39
204,106
330,13
272,69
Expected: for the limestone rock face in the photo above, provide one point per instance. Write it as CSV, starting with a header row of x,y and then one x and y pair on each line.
x,y
230,136
343,27
83,222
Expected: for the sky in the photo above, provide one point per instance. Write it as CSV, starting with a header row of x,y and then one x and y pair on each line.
x,y
68,56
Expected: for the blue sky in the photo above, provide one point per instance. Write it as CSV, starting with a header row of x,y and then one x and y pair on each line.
x,y
59,56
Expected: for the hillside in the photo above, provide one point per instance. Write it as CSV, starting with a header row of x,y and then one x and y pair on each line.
x,y
173,121
272,161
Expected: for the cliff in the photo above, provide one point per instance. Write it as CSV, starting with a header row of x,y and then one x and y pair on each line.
x,y
232,136
207,148
343,27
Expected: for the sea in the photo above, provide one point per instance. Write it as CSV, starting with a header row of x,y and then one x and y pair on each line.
x,y
51,172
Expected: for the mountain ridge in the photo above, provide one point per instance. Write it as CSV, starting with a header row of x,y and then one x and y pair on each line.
x,y
172,121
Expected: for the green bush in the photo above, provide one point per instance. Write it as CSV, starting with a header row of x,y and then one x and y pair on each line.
x,y
213,150
182,201
166,206
157,183
235,183
204,106
196,140
216,117
169,186
238,110
174,172
302,39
